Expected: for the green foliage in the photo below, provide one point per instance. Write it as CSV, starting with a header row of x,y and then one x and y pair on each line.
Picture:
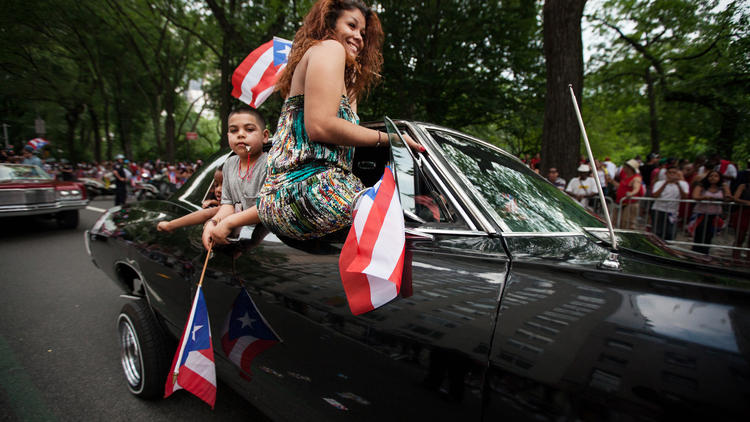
x,y
697,56
111,76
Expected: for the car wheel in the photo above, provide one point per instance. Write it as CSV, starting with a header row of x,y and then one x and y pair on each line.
x,y
144,350
68,219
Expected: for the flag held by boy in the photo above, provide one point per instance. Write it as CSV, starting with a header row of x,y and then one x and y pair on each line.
x,y
372,258
246,333
193,366
254,79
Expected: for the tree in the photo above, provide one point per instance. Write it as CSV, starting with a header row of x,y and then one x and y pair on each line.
x,y
684,55
563,52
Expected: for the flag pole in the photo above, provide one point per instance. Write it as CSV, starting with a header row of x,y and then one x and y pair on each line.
x,y
205,264
593,166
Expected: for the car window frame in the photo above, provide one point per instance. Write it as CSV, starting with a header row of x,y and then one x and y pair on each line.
x,y
423,164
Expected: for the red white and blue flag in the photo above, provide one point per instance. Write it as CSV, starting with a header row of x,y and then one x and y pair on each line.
x,y
372,258
254,79
246,333
37,143
193,366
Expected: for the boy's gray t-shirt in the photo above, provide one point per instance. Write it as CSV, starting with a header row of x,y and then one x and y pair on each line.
x,y
244,192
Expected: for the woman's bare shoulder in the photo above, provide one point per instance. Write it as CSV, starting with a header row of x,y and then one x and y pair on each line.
x,y
327,47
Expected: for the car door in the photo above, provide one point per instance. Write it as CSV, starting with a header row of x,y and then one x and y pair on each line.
x,y
422,355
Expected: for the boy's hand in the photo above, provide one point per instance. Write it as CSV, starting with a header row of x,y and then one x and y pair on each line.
x,y
206,238
219,233
163,226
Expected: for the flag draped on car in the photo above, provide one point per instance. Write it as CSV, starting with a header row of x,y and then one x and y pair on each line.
x,y
193,367
254,79
246,333
372,258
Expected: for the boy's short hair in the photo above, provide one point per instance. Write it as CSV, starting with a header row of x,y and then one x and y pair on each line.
x,y
251,111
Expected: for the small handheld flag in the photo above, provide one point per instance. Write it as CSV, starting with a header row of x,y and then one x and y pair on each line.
x,y
246,333
254,79
372,258
193,367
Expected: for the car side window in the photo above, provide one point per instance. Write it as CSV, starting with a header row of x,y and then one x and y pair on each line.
x,y
425,205
201,183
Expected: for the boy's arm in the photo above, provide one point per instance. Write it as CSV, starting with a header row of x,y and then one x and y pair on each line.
x,y
195,217
226,225
224,210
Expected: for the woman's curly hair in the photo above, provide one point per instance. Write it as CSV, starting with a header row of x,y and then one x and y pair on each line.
x,y
360,74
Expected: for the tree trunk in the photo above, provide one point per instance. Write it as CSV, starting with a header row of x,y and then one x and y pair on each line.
x,y
97,135
169,125
226,91
653,120
563,51
107,135
72,116
730,120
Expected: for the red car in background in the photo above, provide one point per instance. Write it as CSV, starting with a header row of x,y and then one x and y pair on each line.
x,y
28,190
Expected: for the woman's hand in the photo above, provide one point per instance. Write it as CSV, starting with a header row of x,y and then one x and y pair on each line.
x,y
414,145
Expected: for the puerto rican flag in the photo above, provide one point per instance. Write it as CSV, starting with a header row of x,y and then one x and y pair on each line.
x,y
246,333
37,143
254,79
193,366
372,258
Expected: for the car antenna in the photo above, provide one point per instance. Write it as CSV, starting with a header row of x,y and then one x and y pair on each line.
x,y
593,163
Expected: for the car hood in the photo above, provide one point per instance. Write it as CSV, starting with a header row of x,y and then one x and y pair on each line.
x,y
638,254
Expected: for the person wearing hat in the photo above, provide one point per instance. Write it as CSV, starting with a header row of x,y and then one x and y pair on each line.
x,y
121,180
630,185
582,187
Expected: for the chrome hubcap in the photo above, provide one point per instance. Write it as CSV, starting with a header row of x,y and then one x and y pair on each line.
x,y
130,352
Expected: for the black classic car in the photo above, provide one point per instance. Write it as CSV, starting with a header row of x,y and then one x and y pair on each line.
x,y
515,305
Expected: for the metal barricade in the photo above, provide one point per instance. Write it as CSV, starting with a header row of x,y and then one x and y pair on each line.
x,y
723,234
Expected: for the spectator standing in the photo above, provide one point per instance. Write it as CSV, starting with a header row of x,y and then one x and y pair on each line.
x,y
121,180
666,208
703,220
630,185
582,187
554,177
652,161
742,196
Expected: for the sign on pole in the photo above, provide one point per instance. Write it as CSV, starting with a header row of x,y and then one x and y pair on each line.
x,y
191,136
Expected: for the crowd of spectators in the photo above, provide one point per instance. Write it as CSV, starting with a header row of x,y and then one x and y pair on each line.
x,y
135,172
669,181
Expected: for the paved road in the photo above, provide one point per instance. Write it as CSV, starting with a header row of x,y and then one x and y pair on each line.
x,y
59,353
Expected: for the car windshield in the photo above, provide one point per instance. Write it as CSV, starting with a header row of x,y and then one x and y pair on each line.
x,y
522,200
22,172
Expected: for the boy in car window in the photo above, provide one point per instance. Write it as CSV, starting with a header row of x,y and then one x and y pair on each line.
x,y
244,174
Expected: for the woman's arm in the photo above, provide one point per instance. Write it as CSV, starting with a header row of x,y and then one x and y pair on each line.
x,y
635,187
738,193
324,85
698,193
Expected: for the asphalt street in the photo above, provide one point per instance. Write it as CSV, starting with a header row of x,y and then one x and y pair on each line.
x,y
59,351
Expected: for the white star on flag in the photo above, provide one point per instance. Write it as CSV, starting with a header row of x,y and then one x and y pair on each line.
x,y
246,321
196,328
